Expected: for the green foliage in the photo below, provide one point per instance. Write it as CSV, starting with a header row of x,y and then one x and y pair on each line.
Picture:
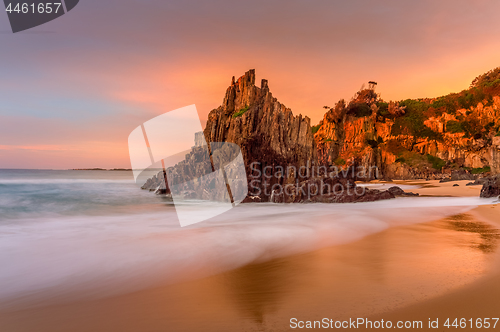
x,y
413,105
241,112
339,161
437,163
472,128
489,79
412,123
454,127
315,129
359,109
498,133
465,99
482,90
492,83
470,98
446,103
383,109
328,140
400,160
486,169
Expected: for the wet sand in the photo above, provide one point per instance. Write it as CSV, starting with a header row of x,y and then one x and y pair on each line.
x,y
444,268
478,300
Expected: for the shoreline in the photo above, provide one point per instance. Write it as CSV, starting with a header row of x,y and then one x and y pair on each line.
x,y
390,274
476,300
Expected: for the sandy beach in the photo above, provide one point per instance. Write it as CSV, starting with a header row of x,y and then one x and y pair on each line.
x,y
249,166
477,300
445,268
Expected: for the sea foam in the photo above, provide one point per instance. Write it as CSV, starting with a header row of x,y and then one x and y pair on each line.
x,y
48,260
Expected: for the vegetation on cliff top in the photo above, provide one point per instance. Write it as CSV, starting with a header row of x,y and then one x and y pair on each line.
x,y
360,105
488,79
412,122
481,90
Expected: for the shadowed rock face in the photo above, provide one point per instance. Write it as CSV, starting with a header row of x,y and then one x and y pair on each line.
x,y
278,149
327,190
491,188
270,136
266,128
274,141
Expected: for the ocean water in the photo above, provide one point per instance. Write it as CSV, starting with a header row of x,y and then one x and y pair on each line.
x,y
42,193
90,234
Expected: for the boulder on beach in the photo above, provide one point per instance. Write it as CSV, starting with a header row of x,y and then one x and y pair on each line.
x,y
396,191
491,188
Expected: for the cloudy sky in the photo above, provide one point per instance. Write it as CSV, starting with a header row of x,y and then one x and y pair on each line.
x,y
72,90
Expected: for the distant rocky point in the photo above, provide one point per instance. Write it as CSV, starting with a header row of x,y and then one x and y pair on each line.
x,y
100,169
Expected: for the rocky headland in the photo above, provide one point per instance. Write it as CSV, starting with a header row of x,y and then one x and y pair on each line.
x,y
454,137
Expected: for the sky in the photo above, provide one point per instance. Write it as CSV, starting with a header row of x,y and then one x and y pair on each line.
x,y
73,89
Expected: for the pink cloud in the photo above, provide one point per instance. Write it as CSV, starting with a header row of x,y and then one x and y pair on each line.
x,y
36,147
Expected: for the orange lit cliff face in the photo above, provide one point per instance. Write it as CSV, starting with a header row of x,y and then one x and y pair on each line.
x,y
109,68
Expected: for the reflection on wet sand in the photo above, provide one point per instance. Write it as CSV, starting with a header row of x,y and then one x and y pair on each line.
x,y
487,235
258,289
384,271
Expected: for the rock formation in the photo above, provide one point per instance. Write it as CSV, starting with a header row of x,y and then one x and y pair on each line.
x,y
455,137
271,138
491,187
